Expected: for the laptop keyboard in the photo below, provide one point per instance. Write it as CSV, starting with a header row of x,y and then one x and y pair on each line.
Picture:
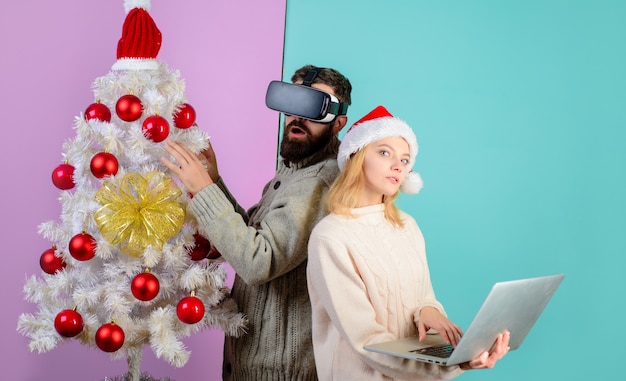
x,y
442,351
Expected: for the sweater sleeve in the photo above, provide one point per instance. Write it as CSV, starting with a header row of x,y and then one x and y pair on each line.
x,y
336,287
273,246
238,208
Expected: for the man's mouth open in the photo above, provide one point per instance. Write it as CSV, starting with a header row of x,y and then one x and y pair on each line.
x,y
296,132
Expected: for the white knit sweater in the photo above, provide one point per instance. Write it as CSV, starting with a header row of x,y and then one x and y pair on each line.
x,y
367,281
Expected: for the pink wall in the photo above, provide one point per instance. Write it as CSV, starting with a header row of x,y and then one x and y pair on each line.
x,y
226,51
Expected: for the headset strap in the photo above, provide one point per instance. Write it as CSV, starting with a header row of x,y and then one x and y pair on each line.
x,y
340,108
310,76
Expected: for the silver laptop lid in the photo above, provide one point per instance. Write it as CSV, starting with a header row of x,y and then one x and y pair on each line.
x,y
512,305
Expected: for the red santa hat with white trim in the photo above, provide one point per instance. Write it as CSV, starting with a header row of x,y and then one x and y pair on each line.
x,y
376,125
141,39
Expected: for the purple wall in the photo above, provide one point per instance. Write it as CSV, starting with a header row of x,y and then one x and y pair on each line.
x,y
227,52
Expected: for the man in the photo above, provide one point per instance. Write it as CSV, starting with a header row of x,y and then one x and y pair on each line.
x,y
267,245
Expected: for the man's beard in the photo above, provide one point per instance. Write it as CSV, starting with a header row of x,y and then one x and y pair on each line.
x,y
300,149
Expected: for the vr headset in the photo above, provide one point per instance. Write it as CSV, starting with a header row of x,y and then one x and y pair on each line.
x,y
303,100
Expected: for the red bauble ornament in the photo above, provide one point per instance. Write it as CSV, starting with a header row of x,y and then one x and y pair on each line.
x,y
190,310
213,253
185,117
82,247
110,337
104,164
129,108
201,248
63,177
98,111
50,263
68,323
155,128
145,286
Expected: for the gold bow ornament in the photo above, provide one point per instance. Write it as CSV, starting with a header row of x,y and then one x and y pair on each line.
x,y
139,211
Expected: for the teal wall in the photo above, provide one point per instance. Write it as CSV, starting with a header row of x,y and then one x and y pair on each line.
x,y
520,112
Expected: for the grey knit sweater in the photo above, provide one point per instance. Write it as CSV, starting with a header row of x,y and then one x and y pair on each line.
x,y
267,248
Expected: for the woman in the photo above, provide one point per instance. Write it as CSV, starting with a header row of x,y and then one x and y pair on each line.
x,y
368,277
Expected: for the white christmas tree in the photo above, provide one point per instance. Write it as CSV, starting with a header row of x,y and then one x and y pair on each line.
x,y
128,266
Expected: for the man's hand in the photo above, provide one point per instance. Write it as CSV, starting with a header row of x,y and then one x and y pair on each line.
x,y
189,170
208,157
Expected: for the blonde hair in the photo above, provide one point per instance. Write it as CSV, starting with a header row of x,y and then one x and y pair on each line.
x,y
347,188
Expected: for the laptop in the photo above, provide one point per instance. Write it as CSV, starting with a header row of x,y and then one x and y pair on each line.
x,y
512,305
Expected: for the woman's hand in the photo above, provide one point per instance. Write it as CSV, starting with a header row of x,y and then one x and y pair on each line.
x,y
489,358
430,317
190,170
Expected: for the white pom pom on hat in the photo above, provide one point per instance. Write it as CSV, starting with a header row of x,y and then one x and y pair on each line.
x,y
376,125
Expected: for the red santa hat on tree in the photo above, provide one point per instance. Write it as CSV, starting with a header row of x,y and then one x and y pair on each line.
x,y
376,125
141,39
